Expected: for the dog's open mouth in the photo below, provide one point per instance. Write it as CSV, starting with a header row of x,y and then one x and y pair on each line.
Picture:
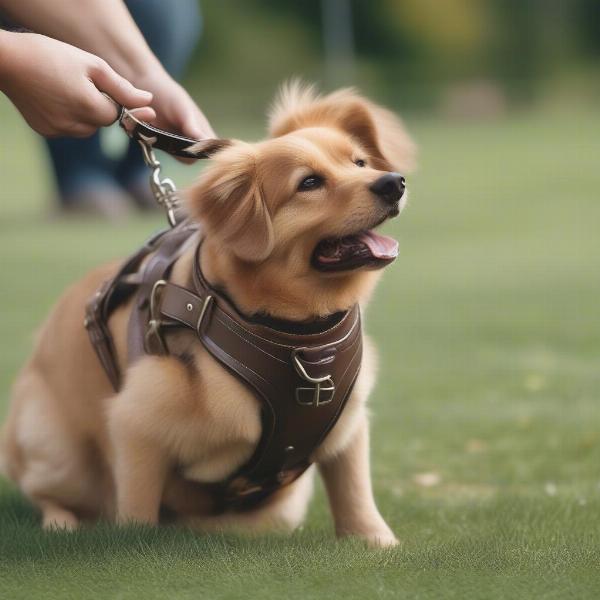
x,y
364,249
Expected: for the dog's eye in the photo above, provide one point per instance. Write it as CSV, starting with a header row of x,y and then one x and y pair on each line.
x,y
360,163
312,182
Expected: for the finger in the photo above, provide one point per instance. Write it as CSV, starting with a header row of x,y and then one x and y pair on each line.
x,y
118,88
98,109
190,120
194,124
146,113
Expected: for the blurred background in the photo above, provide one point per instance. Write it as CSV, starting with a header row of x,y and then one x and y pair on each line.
x,y
488,322
459,60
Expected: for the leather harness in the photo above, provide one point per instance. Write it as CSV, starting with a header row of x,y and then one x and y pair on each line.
x,y
301,373
302,379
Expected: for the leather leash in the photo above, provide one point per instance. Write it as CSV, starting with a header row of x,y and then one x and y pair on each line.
x,y
152,138
172,143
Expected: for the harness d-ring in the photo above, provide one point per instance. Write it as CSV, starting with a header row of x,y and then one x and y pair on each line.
x,y
153,334
321,393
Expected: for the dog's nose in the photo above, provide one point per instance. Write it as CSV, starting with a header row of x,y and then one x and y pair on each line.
x,y
389,187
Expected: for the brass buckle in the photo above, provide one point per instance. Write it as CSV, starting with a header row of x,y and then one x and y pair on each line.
x,y
321,393
153,331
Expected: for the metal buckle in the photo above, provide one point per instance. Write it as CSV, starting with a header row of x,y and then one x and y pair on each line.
x,y
323,390
153,331
205,306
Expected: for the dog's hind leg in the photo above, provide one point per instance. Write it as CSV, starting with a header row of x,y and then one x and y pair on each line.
x,y
47,456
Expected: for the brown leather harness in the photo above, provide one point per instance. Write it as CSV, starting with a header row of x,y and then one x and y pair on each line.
x,y
302,374
302,379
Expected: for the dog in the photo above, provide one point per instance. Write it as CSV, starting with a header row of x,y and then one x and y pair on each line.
x,y
288,226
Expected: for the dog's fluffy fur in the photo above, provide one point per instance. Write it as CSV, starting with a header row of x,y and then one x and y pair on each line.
x,y
79,451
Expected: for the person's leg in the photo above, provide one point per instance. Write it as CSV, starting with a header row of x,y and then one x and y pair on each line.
x,y
84,177
172,30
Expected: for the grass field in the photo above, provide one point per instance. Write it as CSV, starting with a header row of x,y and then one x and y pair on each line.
x,y
486,437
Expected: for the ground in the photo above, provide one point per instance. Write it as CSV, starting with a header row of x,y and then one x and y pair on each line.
x,y
486,443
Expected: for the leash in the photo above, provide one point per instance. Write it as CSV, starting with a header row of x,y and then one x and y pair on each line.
x,y
152,138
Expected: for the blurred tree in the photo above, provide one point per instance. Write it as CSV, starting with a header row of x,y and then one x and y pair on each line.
x,y
338,40
588,22
406,52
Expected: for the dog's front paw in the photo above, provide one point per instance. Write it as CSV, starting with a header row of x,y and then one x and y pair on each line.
x,y
381,539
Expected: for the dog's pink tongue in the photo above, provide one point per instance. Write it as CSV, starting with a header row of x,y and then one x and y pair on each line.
x,y
381,246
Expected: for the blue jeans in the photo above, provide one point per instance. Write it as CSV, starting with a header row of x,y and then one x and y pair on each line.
x,y
171,29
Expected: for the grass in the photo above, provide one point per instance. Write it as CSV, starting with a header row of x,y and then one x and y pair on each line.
x,y
486,443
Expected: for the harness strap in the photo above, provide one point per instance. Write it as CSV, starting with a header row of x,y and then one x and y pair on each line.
x,y
100,335
111,294
303,381
143,335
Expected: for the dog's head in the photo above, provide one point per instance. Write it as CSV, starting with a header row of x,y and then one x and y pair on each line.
x,y
290,221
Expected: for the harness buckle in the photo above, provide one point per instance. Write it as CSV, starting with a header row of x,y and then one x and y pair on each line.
x,y
205,305
320,393
153,337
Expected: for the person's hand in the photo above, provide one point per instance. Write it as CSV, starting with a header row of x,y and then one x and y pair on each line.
x,y
175,109
57,87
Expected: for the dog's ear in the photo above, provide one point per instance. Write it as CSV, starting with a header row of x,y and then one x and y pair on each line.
x,y
377,129
227,199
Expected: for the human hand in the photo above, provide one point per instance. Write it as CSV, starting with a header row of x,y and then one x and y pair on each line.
x,y
57,87
175,109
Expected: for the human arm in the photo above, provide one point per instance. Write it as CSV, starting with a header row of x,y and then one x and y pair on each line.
x,y
105,28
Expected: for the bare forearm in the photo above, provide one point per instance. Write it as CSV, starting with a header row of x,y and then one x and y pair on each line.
x,y
103,27
5,57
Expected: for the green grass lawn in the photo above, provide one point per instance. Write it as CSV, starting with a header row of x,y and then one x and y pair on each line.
x,y
486,438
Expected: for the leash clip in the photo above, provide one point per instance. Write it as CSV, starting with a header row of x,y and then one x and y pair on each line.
x,y
150,137
164,190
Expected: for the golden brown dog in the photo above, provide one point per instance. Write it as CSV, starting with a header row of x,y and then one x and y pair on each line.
x,y
288,232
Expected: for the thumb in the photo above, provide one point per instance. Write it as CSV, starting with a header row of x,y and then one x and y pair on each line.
x,y
195,125
118,88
